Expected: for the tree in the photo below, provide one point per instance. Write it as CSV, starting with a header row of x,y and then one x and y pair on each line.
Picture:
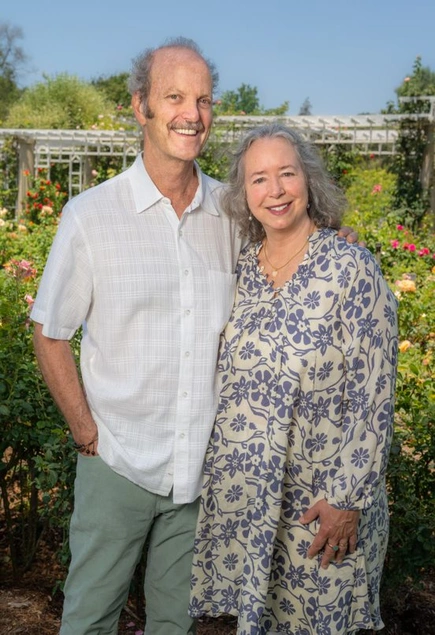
x,y
12,59
413,161
114,88
306,107
63,101
421,82
245,101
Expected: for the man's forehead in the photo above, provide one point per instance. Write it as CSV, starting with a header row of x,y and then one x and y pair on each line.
x,y
171,62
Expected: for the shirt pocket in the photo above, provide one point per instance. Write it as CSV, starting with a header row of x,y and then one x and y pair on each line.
x,y
222,289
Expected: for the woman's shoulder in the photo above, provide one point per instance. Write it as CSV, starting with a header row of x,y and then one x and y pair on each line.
x,y
340,250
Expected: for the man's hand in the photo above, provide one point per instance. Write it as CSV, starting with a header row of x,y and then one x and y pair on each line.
x,y
350,235
338,528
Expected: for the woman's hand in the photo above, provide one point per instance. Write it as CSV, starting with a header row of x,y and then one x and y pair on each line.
x,y
337,528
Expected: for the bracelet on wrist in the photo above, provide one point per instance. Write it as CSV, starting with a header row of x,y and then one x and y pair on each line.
x,y
86,448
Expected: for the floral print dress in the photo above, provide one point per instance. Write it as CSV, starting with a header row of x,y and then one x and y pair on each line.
x,y
306,379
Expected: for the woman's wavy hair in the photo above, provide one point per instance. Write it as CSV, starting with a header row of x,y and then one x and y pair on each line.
x,y
326,201
140,76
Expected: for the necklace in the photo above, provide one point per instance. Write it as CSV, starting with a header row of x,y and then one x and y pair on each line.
x,y
275,270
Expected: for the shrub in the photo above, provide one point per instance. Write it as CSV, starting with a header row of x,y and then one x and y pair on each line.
x,y
64,102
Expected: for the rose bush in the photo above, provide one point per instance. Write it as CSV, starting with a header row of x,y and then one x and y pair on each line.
x,y
407,259
36,460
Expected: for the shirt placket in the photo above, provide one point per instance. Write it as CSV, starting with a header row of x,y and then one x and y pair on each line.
x,y
185,380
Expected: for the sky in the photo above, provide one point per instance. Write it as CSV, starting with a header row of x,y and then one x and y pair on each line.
x,y
346,56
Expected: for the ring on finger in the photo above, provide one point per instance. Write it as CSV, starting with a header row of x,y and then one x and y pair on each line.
x,y
334,548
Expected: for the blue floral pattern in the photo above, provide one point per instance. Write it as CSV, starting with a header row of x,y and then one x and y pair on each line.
x,y
306,408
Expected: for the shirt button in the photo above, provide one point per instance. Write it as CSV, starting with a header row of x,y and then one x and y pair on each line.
x,y
182,435
180,233
184,394
187,354
187,312
186,272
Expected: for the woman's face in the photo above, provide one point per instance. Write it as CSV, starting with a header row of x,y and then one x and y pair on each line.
x,y
275,186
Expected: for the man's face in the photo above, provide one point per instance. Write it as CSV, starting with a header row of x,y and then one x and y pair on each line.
x,y
178,114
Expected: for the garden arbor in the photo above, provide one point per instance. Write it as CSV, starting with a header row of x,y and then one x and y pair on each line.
x,y
78,149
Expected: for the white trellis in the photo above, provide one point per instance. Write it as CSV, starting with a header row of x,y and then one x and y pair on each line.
x,y
368,134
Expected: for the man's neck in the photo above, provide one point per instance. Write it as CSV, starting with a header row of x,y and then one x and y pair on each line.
x,y
177,180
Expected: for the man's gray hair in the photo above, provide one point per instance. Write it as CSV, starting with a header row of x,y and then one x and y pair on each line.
x,y
326,201
140,76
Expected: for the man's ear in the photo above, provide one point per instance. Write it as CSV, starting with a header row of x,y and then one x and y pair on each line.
x,y
136,104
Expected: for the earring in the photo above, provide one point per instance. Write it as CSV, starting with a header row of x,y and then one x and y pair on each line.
x,y
250,217
308,206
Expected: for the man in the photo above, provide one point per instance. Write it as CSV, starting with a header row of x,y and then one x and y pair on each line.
x,y
146,262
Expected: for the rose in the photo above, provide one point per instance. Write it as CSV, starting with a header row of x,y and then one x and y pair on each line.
x,y
406,285
404,346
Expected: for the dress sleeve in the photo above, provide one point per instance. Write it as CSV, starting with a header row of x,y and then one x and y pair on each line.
x,y
65,291
369,340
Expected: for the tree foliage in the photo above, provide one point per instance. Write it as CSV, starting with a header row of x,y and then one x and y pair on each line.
x,y
63,101
245,101
421,82
114,88
306,107
12,59
411,196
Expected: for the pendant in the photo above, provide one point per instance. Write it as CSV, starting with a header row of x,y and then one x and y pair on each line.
x,y
274,273
261,268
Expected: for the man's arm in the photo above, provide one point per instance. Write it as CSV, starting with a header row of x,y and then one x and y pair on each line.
x,y
59,370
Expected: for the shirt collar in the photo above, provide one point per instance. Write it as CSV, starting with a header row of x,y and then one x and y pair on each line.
x,y
146,193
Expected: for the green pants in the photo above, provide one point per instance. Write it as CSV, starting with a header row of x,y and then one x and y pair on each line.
x,y
112,519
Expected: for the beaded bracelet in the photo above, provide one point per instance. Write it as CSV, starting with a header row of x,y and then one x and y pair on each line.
x,y
85,448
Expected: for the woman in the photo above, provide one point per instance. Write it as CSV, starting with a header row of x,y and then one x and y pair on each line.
x,y
293,523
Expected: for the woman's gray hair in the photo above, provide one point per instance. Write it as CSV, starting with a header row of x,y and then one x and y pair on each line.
x,y
140,76
326,201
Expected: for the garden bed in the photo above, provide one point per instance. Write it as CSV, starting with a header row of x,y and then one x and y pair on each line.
x,y
29,606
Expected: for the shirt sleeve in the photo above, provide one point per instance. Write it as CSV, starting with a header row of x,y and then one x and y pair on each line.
x,y
65,291
369,323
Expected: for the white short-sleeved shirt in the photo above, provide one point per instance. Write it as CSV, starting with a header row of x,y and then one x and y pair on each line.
x,y
153,294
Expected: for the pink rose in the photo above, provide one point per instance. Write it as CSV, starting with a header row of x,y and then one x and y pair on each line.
x,y
424,252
